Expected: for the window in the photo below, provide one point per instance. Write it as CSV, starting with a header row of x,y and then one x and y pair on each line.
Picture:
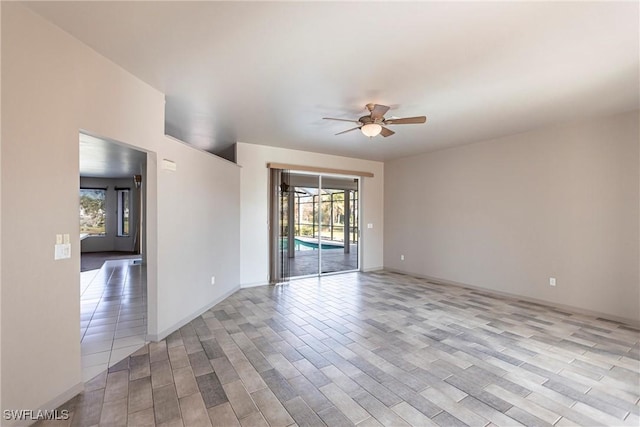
x,y
123,212
92,211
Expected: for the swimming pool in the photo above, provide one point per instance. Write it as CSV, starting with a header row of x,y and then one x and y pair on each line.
x,y
308,243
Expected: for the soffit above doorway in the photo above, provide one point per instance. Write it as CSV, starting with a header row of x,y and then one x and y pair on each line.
x,y
100,158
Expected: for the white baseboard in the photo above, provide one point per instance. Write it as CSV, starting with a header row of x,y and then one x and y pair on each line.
x,y
168,331
370,269
253,285
577,310
49,406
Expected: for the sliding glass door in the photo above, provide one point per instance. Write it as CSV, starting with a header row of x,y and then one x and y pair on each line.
x,y
317,224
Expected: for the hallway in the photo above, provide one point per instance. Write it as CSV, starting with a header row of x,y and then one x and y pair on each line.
x,y
113,312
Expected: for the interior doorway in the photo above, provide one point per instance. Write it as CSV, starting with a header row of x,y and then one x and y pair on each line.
x,y
113,279
315,220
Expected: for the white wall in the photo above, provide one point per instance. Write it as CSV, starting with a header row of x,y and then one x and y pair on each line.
x,y
199,220
254,183
53,88
507,214
111,241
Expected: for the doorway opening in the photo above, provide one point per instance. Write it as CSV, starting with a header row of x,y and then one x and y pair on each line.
x,y
113,279
315,220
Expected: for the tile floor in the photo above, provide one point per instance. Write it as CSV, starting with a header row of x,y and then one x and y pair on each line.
x,y
371,349
113,313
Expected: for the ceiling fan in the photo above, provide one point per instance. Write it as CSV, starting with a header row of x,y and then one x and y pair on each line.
x,y
286,188
374,123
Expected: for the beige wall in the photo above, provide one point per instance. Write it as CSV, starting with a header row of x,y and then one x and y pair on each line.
x,y
507,214
1,406
254,248
53,88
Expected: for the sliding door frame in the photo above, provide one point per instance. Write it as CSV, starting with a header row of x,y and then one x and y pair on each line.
x,y
275,208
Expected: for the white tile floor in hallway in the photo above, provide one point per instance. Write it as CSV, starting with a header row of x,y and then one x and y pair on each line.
x,y
113,314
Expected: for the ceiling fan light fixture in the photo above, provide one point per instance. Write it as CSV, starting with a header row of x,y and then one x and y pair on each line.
x,y
374,124
371,129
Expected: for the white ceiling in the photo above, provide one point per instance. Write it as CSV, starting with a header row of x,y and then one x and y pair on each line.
x,y
267,72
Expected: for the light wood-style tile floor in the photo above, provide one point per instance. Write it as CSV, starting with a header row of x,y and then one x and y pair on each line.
x,y
373,349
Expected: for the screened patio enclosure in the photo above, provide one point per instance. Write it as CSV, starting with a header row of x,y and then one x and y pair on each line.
x,y
323,221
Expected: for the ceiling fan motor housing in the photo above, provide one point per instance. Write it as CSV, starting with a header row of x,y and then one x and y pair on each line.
x,y
367,119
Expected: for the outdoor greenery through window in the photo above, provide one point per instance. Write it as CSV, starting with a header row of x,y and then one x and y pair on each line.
x,y
331,203
123,212
92,211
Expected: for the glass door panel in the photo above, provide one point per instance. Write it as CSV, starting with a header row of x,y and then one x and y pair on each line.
x,y
304,259
339,222
279,227
284,233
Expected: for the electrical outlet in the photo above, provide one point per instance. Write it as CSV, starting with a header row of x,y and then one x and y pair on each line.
x,y
62,251
213,280
552,281
401,257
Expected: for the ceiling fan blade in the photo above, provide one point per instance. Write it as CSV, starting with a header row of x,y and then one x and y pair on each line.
x,y
378,111
406,121
341,120
348,130
386,132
